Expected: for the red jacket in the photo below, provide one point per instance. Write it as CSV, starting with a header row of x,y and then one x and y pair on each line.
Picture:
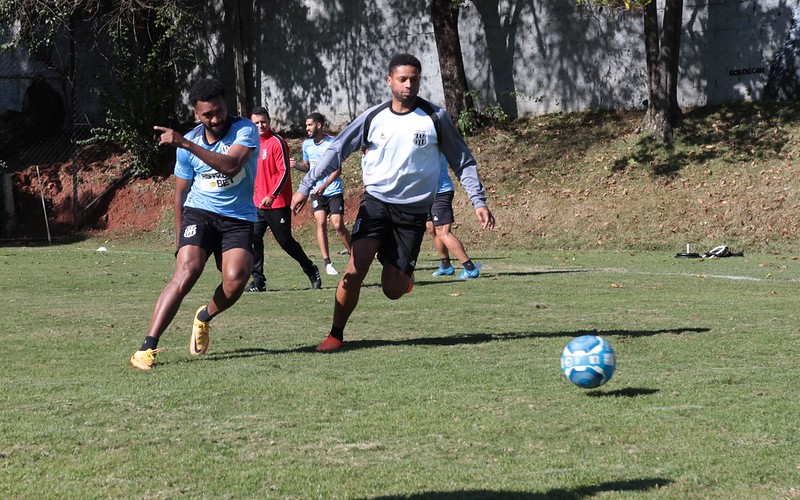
x,y
273,176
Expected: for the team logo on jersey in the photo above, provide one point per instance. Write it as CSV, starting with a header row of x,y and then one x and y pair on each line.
x,y
264,154
190,231
356,225
420,138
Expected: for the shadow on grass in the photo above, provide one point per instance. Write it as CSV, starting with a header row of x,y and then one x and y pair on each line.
x,y
488,273
451,340
43,242
628,392
557,493
741,132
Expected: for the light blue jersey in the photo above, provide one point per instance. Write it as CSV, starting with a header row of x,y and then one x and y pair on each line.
x,y
311,153
445,183
216,192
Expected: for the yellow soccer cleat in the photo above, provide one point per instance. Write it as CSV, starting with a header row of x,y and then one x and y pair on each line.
x,y
198,344
144,360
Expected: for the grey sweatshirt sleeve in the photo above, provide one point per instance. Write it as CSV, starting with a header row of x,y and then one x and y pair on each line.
x,y
346,143
460,158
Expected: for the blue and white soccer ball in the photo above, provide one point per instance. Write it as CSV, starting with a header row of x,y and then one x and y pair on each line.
x,y
588,361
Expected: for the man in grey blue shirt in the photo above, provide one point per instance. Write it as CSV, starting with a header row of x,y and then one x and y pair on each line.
x,y
401,140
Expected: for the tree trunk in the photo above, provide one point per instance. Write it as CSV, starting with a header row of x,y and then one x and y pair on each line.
x,y
444,14
662,53
500,43
238,57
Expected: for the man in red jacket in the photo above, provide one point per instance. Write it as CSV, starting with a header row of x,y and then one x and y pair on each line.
x,y
272,195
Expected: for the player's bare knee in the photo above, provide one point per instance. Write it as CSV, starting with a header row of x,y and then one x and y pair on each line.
x,y
393,293
351,279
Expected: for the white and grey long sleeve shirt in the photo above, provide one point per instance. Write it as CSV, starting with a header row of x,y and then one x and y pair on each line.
x,y
401,161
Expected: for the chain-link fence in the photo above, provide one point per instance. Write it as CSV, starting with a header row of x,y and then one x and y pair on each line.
x,y
44,154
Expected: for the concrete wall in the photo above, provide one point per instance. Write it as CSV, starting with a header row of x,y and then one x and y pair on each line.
x,y
531,57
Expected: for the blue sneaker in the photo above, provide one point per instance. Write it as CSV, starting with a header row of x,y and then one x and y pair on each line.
x,y
442,271
465,275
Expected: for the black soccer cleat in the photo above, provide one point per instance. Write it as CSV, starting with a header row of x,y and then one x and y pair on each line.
x,y
314,277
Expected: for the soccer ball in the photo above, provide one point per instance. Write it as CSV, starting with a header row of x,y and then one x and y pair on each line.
x,y
588,361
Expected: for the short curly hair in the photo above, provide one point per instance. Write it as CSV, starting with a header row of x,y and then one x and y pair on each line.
x,y
404,60
206,90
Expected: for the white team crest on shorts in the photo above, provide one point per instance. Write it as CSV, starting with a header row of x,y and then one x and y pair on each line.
x,y
314,203
190,231
420,138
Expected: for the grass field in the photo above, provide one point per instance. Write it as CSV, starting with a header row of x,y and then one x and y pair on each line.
x,y
455,391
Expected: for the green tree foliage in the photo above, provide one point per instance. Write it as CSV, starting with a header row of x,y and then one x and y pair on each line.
x,y
141,41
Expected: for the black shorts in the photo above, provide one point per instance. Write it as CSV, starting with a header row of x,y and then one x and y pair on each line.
x,y
214,233
333,204
399,232
441,212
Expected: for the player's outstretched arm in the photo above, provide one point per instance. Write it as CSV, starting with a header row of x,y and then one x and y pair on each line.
x,y
485,217
229,164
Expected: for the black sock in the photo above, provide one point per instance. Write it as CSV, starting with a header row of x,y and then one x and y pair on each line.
x,y
446,263
149,343
469,266
327,261
337,333
203,315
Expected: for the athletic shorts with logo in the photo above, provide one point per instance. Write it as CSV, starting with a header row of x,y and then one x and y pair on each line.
x,y
214,233
333,204
441,212
399,232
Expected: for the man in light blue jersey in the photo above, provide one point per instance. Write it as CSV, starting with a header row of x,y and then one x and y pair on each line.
x,y
215,168
327,195
401,140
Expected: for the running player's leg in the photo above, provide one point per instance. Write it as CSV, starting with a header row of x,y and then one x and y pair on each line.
x,y
443,221
188,267
259,230
280,222
321,217
450,241
237,264
399,251
349,289
337,221
336,210
195,243
369,230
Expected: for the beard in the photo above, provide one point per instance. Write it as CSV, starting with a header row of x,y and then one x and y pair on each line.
x,y
218,132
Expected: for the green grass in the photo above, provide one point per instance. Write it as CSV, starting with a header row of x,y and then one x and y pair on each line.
x,y
455,391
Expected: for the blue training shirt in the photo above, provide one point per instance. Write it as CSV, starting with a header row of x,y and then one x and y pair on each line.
x,y
445,184
311,153
216,192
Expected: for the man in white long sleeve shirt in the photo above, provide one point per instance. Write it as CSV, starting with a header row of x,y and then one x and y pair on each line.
x,y
401,140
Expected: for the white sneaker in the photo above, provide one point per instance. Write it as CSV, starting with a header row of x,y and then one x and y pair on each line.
x,y
330,270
